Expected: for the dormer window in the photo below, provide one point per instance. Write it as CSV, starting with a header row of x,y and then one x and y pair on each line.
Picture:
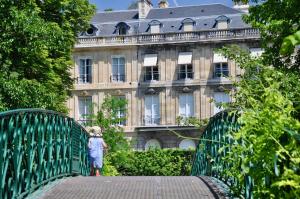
x,y
222,22
91,31
122,28
188,24
155,26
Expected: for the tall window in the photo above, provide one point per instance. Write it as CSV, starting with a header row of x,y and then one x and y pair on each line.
x,y
152,110
220,97
85,71
185,66
121,112
85,108
118,69
186,105
220,66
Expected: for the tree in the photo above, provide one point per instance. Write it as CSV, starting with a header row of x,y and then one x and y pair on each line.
x,y
36,42
108,119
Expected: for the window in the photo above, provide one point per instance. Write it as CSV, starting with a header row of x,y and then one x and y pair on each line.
x,y
220,97
186,105
85,71
188,24
155,26
187,144
220,66
221,70
152,144
121,113
185,66
122,28
85,109
151,68
152,110
118,69
151,73
222,22
185,72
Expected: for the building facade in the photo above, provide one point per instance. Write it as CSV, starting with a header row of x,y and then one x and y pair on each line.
x,y
163,61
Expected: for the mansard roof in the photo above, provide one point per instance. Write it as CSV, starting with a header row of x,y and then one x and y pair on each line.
x,y
171,19
191,11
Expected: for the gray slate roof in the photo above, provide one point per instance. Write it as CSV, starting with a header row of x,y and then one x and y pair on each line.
x,y
171,19
191,11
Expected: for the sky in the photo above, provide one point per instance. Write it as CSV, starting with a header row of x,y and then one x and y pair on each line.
x,y
123,4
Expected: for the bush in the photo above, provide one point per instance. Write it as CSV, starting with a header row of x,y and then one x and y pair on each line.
x,y
153,162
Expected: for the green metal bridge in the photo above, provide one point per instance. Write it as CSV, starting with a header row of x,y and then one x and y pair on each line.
x,y
41,147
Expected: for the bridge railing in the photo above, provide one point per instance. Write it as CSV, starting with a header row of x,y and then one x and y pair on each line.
x,y
36,147
213,147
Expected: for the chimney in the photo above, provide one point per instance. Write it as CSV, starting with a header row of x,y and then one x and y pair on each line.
x,y
241,7
144,8
163,4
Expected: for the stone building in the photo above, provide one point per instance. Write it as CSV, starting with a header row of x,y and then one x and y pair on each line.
x,y
163,61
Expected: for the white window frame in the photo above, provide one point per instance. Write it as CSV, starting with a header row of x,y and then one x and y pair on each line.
x,y
185,97
119,77
218,109
222,70
121,112
153,118
85,78
88,101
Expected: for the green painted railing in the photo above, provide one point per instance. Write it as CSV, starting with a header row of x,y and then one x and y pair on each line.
x,y
38,146
208,160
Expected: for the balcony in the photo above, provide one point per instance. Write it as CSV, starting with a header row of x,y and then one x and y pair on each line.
x,y
84,79
117,78
182,37
151,121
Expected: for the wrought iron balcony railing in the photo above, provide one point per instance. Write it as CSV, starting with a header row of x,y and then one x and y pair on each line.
x,y
117,78
151,121
84,79
194,36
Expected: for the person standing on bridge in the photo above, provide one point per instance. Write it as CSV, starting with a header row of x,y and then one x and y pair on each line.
x,y
96,145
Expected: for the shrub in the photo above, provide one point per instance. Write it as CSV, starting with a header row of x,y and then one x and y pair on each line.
x,y
156,162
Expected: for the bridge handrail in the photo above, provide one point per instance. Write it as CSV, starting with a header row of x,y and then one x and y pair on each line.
x,y
208,159
38,146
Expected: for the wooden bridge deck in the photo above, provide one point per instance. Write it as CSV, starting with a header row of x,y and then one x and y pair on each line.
x,y
130,188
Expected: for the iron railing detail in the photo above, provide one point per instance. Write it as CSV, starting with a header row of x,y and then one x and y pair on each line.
x,y
36,147
209,158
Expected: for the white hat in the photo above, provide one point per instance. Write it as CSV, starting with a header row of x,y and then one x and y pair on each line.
x,y
96,131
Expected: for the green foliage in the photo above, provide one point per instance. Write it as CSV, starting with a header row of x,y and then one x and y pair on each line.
x,y
156,162
108,168
107,119
36,41
277,22
289,43
266,148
